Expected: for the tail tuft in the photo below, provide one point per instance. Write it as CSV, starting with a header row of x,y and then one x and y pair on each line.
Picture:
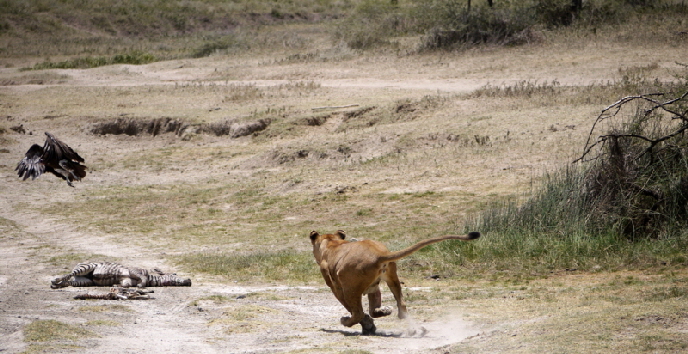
x,y
473,235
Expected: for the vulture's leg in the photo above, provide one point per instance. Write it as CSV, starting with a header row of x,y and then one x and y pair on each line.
x,y
65,166
65,172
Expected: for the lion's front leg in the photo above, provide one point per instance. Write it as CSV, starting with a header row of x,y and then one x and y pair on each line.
x,y
334,283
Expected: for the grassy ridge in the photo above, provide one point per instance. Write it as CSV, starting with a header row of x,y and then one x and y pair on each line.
x,y
176,29
270,266
134,58
132,18
164,29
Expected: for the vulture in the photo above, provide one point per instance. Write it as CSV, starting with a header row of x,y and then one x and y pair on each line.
x,y
54,157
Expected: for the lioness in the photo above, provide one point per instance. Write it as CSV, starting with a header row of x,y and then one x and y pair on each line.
x,y
352,269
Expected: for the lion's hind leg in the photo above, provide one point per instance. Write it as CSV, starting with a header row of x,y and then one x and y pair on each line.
x,y
375,303
337,289
392,280
367,323
357,314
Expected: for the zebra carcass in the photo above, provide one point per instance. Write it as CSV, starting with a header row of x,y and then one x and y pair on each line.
x,y
114,274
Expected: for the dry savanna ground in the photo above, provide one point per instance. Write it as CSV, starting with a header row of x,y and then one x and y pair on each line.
x,y
266,147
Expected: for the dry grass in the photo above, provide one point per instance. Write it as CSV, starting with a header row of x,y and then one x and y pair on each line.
x,y
631,312
242,319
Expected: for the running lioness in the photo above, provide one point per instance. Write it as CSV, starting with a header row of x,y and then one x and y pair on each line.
x,y
352,269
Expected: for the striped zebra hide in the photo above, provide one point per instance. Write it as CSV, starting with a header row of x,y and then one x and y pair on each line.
x,y
114,274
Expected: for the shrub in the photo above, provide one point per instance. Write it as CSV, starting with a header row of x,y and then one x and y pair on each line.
x,y
449,24
225,44
553,13
634,182
372,24
626,203
639,178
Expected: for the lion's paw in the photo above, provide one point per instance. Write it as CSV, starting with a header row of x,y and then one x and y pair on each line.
x,y
368,326
346,321
382,312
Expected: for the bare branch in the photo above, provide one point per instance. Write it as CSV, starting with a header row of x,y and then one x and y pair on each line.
x,y
612,110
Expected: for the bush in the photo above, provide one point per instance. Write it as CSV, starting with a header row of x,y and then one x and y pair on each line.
x,y
448,23
225,44
633,181
372,24
625,204
555,13
482,26
639,178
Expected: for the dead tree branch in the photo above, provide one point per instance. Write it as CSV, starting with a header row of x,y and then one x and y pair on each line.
x,y
612,110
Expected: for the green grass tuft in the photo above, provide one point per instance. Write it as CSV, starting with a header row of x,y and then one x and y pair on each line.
x,y
134,58
52,330
287,265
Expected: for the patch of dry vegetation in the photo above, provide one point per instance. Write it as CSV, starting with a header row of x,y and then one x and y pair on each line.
x,y
601,313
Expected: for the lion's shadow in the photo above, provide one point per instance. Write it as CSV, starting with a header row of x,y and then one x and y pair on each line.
x,y
355,333
378,333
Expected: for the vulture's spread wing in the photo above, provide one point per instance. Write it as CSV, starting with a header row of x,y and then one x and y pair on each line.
x,y
32,164
55,150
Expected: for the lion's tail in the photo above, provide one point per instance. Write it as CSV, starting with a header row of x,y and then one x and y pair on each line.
x,y
394,256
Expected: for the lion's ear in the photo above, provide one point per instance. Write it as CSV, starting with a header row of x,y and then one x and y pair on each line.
x,y
314,235
341,234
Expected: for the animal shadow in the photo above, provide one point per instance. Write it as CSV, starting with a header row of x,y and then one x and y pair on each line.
x,y
420,332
